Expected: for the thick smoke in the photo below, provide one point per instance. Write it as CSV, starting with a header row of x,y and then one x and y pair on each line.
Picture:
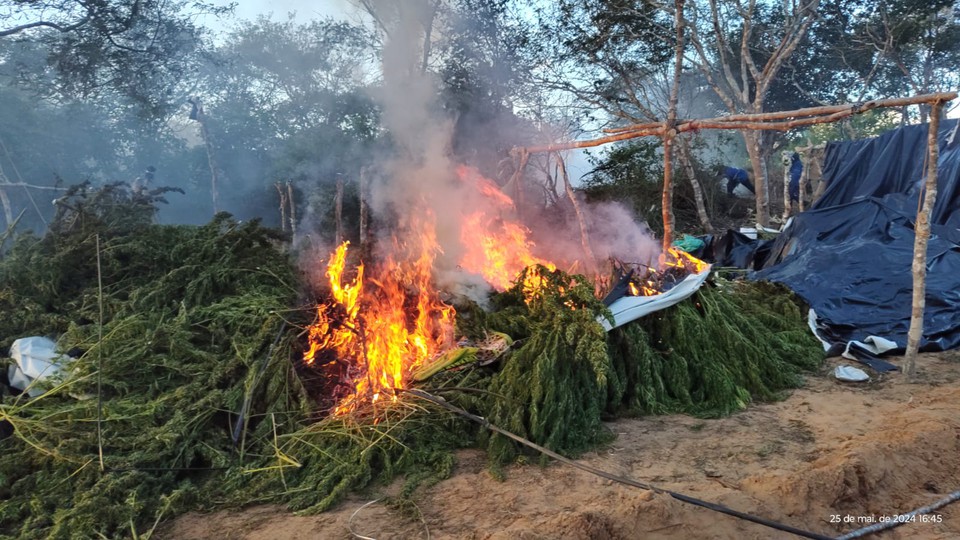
x,y
612,230
421,179
419,176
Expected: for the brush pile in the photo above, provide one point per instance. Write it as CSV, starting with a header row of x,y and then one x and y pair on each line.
x,y
189,317
194,332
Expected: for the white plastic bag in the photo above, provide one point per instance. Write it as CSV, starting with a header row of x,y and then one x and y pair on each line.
x,y
36,360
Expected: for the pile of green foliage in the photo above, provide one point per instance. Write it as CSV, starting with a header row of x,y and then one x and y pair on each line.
x,y
196,328
191,319
731,343
709,356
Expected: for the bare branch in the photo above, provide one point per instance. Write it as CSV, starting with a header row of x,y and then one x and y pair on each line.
x,y
45,24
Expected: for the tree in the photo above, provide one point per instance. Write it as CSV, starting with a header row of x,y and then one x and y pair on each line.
x,y
616,57
284,101
48,144
874,49
142,50
920,43
483,60
740,49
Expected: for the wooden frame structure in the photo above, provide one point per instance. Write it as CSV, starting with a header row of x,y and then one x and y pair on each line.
x,y
783,121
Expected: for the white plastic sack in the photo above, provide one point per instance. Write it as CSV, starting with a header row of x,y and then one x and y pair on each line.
x,y
36,360
631,308
850,374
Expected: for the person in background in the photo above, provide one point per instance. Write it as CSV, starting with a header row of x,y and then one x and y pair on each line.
x,y
736,177
144,182
796,170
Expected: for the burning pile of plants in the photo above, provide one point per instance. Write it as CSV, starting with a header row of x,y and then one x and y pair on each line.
x,y
213,384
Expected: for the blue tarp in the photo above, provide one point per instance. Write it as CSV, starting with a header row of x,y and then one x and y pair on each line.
x,y
850,255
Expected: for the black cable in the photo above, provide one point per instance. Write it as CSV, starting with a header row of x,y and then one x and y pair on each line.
x,y
622,480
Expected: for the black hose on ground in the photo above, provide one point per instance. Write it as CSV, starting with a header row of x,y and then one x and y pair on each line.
x,y
909,517
619,479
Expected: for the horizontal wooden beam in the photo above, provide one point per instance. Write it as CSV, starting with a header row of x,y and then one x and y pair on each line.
x,y
761,121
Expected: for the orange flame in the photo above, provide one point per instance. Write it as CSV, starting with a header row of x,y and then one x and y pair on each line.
x,y
495,247
387,329
385,321
681,259
673,258
323,334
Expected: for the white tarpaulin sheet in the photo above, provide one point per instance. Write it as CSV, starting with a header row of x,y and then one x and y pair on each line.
x,y
36,359
631,308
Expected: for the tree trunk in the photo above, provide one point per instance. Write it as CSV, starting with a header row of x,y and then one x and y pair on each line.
x,y
338,210
283,205
687,161
293,209
670,131
760,184
201,118
591,261
922,228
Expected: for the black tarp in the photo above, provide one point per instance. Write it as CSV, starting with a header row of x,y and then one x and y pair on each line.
x,y
850,255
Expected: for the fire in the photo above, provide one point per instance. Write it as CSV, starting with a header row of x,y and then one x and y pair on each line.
x,y
673,258
323,334
498,250
681,259
383,327
384,321
497,247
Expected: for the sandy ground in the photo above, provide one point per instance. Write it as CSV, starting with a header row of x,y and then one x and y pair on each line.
x,y
830,453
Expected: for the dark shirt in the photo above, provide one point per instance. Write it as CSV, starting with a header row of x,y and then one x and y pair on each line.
x,y
796,169
739,175
736,176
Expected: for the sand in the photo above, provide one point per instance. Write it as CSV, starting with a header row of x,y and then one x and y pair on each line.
x,y
830,458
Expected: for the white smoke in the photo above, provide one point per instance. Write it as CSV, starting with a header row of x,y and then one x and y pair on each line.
x,y
421,175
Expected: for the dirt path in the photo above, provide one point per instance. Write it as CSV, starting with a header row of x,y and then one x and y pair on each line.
x,y
827,452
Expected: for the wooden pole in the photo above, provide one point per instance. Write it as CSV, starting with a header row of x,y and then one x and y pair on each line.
x,y
761,121
804,178
808,111
515,181
922,228
201,117
293,209
785,159
5,199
